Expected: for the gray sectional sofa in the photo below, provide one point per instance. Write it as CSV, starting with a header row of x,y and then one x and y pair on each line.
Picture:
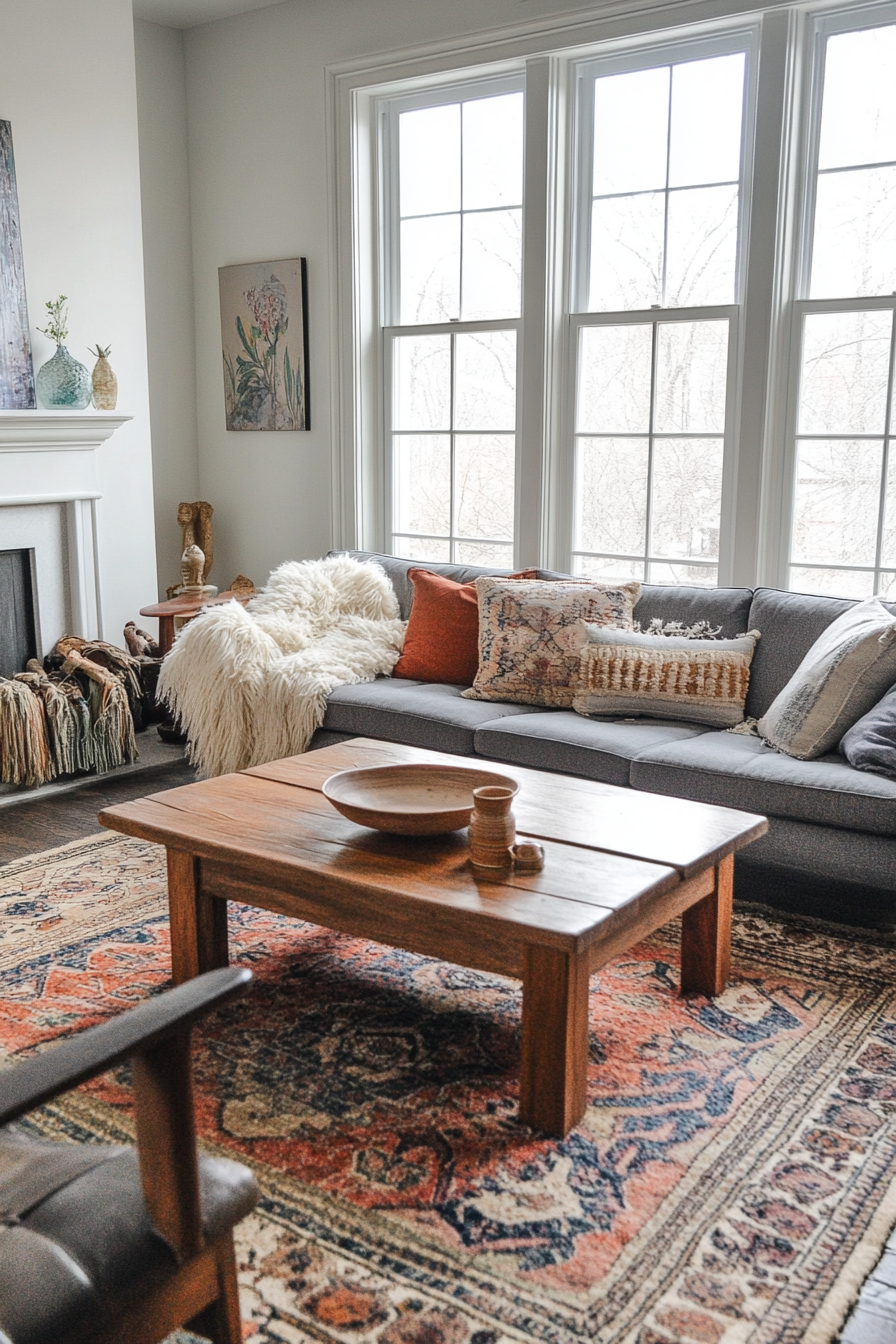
x,y
831,846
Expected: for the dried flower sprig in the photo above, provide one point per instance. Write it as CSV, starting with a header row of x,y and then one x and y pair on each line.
x,y
57,326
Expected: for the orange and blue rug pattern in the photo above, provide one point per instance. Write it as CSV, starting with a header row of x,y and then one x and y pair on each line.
x,y
729,1182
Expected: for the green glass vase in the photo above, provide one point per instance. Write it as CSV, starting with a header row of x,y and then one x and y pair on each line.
x,y
63,383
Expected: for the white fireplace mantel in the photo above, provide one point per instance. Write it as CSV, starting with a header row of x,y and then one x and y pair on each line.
x,y
56,431
49,458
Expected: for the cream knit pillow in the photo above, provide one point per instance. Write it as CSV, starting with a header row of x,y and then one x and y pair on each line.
x,y
664,676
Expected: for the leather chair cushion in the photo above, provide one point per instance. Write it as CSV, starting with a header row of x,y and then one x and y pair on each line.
x,y
89,1249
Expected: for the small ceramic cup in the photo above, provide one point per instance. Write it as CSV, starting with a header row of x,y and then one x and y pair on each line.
x,y
528,856
492,826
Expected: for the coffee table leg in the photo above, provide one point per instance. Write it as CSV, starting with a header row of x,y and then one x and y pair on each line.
x,y
198,921
706,937
554,1064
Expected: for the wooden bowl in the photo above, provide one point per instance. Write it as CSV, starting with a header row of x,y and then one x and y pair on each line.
x,y
410,799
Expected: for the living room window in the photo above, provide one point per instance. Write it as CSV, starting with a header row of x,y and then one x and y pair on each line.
x,y
628,308
452,262
661,154
843,535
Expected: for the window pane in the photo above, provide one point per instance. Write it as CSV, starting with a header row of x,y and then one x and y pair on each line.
x,y
858,123
430,269
429,160
492,262
626,252
832,582
697,576
484,485
422,482
493,152
707,108
836,499
614,379
485,380
631,114
617,571
855,232
885,583
702,246
843,387
422,382
692,373
483,553
687,498
611,495
422,548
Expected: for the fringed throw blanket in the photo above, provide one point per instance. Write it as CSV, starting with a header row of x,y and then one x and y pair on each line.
x,y
75,719
250,684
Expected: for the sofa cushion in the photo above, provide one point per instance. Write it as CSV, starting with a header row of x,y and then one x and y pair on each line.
x,y
561,740
844,674
725,607
870,744
739,771
530,635
664,676
415,712
790,624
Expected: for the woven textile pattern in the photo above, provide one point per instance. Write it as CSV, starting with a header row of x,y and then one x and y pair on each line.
x,y
530,635
730,1183
704,681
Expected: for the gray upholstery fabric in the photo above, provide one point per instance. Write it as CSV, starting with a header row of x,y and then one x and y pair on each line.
x,y
413,712
558,739
790,624
397,571
870,744
727,607
743,772
824,853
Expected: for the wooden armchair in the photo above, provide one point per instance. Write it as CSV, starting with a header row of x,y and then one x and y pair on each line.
x,y
108,1245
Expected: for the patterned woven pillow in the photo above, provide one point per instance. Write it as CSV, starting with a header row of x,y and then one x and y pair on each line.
x,y
531,635
664,676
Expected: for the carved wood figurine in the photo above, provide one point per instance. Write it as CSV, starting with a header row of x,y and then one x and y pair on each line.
x,y
192,563
196,521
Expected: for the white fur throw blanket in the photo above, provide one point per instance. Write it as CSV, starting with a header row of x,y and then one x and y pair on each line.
x,y
249,684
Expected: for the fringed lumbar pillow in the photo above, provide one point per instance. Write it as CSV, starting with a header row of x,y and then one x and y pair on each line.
x,y
664,676
530,635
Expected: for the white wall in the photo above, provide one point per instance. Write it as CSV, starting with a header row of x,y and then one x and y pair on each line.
x,y
165,187
256,99
67,85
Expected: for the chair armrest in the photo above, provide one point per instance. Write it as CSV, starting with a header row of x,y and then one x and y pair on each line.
x,y
41,1078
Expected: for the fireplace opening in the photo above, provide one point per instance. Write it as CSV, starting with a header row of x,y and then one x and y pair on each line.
x,y
18,631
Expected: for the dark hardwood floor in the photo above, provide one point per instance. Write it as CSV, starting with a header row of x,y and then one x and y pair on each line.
x,y
29,828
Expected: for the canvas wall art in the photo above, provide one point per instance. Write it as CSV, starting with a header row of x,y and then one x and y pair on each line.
x,y
16,370
264,333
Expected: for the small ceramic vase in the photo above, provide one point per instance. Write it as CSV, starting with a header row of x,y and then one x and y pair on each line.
x,y
63,383
105,384
492,826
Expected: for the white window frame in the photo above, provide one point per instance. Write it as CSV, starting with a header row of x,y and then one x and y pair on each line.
x,y
744,38
388,111
820,26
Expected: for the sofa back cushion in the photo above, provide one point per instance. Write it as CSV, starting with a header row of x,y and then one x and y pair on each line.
x,y
725,607
790,624
398,569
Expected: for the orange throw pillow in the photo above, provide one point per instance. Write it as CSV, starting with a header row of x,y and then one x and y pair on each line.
x,y
442,640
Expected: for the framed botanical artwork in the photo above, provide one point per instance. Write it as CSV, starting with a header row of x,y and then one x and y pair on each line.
x,y
264,336
16,370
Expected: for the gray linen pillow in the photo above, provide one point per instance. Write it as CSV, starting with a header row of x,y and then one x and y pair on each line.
x,y
870,744
843,675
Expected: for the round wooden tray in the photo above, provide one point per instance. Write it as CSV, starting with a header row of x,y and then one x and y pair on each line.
x,y
410,799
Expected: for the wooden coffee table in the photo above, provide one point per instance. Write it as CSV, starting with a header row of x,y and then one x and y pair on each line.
x,y
618,864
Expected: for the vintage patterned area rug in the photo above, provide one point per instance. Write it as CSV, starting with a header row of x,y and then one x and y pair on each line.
x,y
732,1180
